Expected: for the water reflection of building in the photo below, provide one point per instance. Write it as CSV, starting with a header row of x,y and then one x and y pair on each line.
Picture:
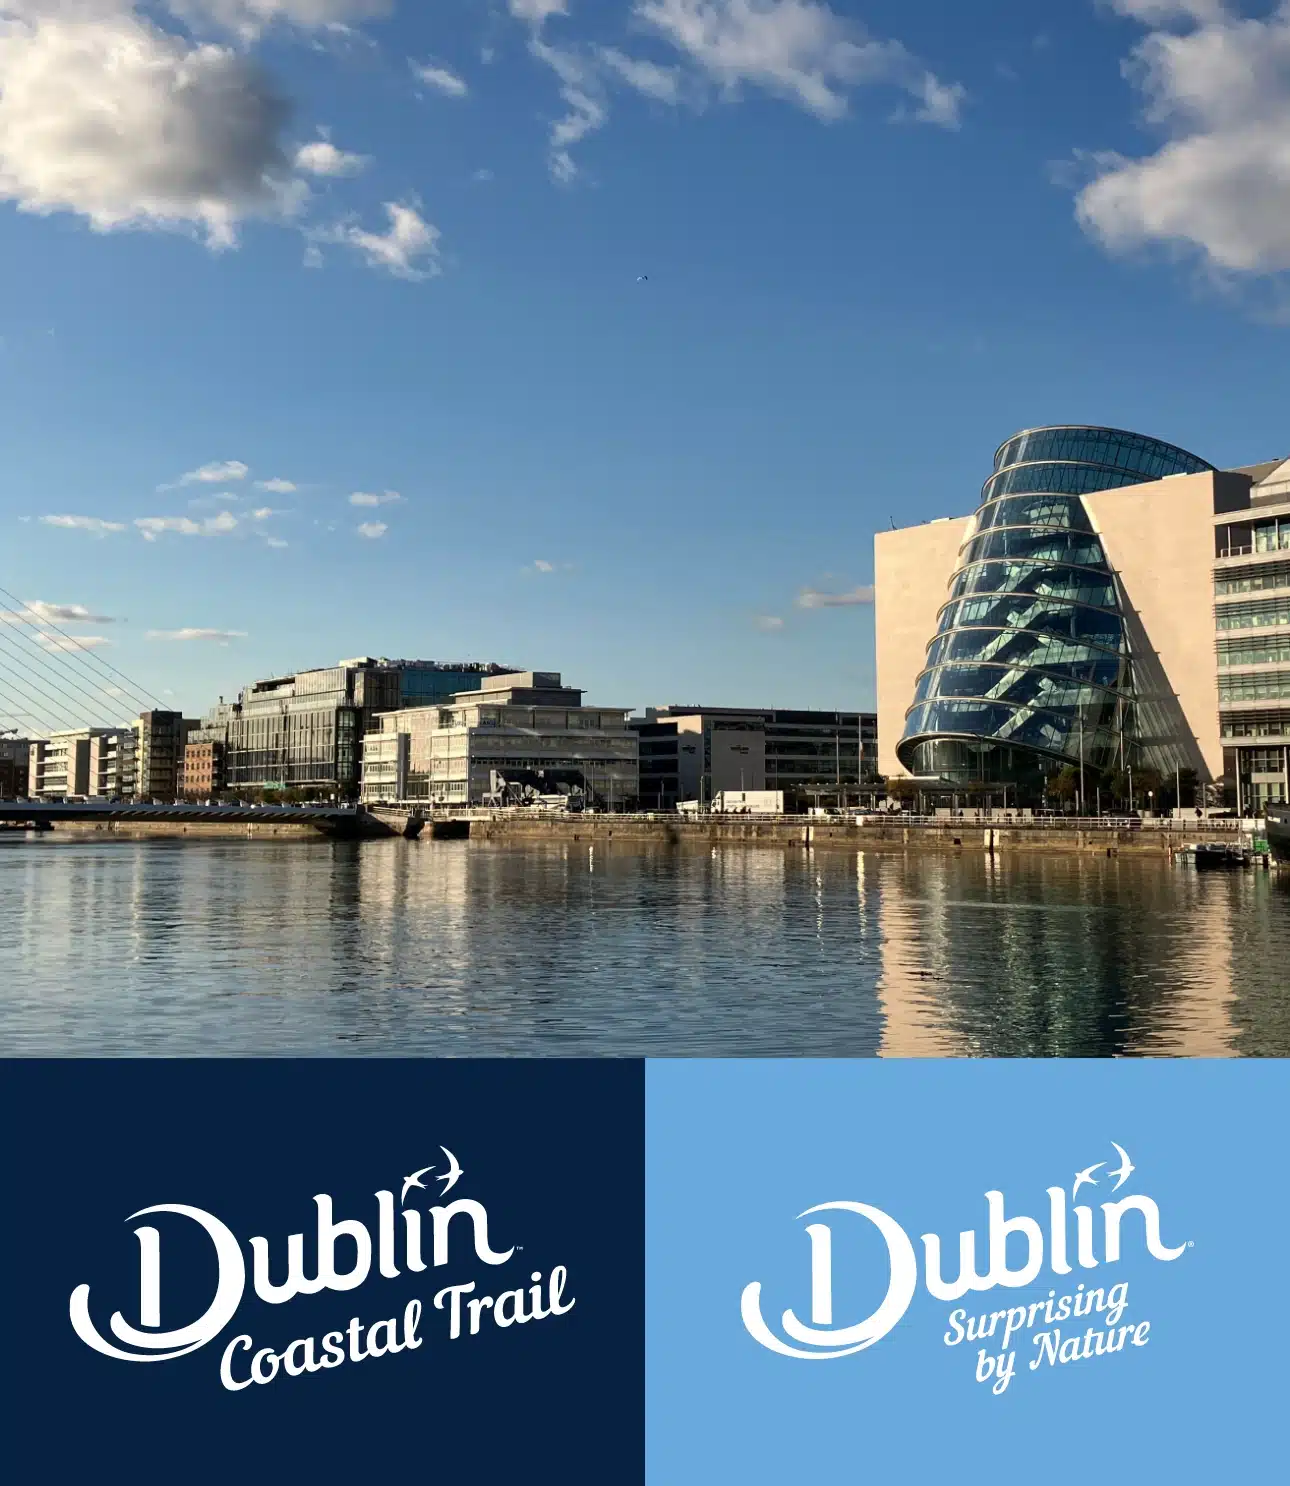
x,y
1054,957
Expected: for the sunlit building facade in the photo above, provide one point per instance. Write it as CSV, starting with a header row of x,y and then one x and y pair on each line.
x,y
1081,618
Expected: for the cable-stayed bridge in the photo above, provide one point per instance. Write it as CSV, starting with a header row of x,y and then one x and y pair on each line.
x,y
52,681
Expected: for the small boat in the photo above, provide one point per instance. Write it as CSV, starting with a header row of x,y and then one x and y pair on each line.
x,y
1279,834
1205,855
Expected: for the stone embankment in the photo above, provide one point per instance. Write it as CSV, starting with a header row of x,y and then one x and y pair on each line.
x,y
867,834
152,830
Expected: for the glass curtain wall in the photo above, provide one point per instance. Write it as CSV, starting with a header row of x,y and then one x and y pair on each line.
x,y
1030,668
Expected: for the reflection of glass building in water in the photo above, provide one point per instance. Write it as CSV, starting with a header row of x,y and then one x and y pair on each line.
x,y
1078,618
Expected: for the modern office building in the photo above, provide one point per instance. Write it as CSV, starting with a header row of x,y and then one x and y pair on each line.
x,y
525,727
59,766
112,764
304,731
15,754
139,761
696,753
1114,603
159,742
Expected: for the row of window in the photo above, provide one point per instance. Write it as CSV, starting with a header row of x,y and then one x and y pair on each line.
x,y
1054,479
1049,580
1020,726
1253,580
1006,683
1274,723
1148,457
1267,536
1070,548
1253,615
1266,686
1077,631
1254,653
1263,760
1031,510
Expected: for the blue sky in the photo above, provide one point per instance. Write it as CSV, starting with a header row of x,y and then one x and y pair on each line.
x,y
382,249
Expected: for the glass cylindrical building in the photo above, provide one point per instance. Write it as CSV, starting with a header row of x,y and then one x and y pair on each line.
x,y
1030,668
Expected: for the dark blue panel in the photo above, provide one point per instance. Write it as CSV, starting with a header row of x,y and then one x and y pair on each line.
x,y
552,1154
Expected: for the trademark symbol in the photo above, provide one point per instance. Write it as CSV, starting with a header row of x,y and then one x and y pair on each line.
x,y
1191,1243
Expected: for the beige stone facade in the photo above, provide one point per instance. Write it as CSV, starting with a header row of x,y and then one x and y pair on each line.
x,y
912,570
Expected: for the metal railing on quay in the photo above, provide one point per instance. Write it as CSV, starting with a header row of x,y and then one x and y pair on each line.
x,y
996,821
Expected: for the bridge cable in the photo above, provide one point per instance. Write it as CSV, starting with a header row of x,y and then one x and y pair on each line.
x,y
135,688
92,692
75,712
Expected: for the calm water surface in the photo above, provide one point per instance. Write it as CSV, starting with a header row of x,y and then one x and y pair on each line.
x,y
476,949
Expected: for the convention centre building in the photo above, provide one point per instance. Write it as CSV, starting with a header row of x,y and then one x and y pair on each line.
x,y
1113,604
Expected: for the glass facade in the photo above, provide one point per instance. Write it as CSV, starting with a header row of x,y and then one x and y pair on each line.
x,y
1030,668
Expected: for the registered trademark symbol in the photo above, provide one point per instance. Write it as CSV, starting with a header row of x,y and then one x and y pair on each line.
x,y
1191,1243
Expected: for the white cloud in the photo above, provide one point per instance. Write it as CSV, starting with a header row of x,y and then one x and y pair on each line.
x,y
36,611
941,103
220,636
249,17
810,598
442,79
217,473
275,542
214,526
662,83
372,530
537,11
84,523
1219,91
542,566
105,115
1161,12
368,498
583,93
482,175
797,49
321,157
276,486
72,643
408,250
769,623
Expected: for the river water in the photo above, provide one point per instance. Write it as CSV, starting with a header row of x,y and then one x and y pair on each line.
x,y
444,949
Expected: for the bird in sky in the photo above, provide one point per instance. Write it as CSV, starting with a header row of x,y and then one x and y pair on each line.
x,y
454,1172
1125,1170
1086,1176
414,1181
642,278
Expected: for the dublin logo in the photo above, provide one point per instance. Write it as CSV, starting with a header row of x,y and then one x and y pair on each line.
x,y
386,1253
1092,1245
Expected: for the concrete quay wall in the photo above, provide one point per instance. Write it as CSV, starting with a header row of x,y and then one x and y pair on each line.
x,y
151,830
845,835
